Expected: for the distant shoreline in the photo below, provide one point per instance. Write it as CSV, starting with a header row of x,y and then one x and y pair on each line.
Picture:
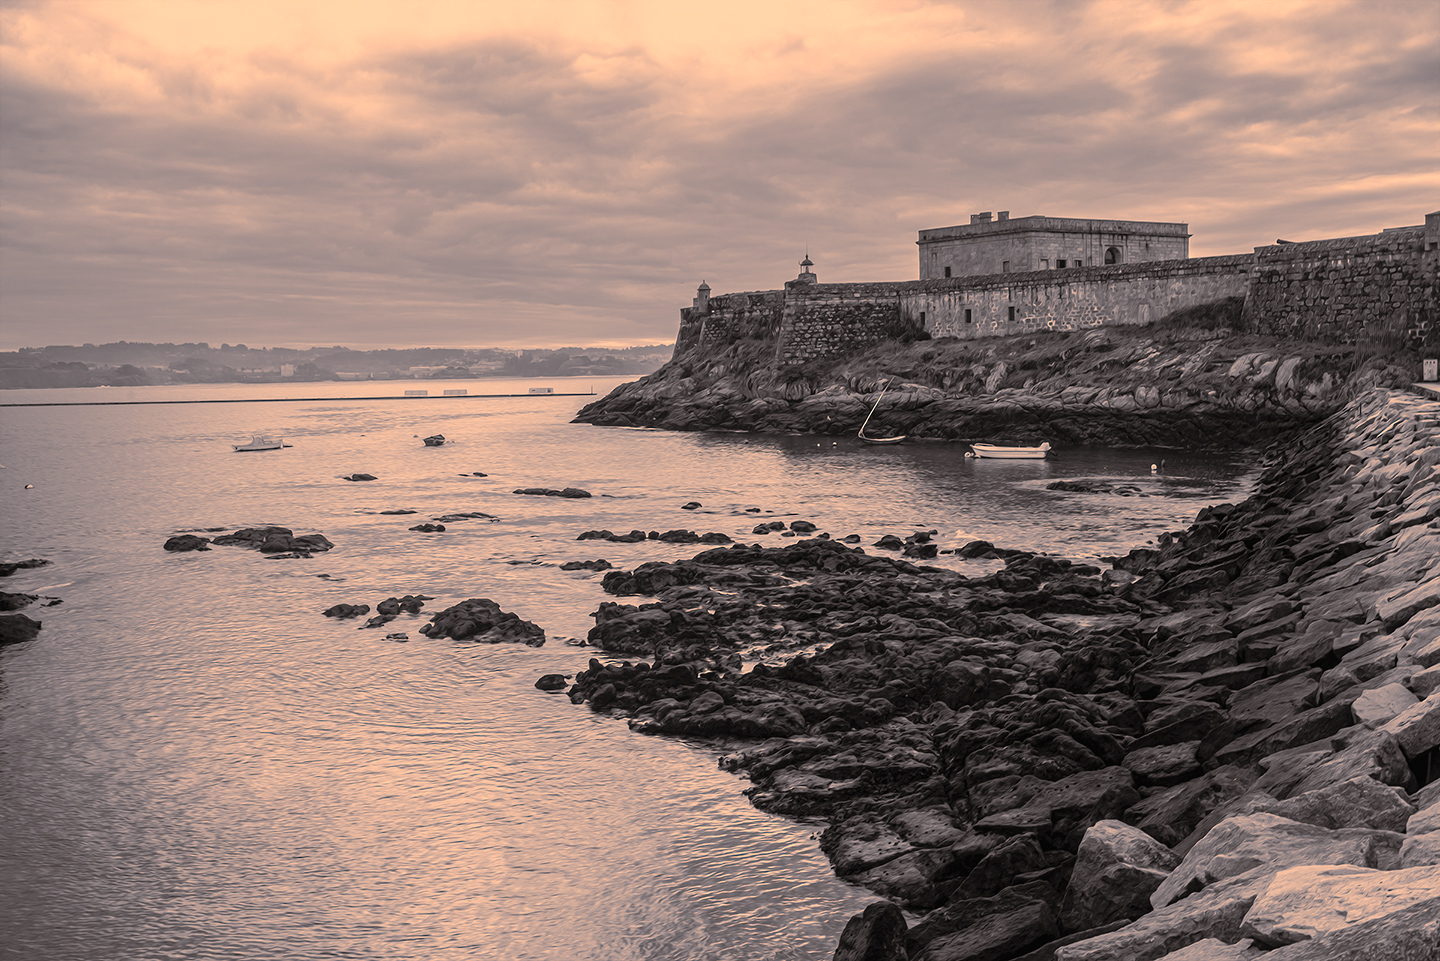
x,y
278,400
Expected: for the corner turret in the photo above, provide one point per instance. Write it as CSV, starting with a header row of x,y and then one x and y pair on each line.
x,y
701,304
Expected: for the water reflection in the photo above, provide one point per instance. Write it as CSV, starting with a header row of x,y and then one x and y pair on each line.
x,y
199,765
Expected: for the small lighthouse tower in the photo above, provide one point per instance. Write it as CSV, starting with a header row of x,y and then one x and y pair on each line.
x,y
806,277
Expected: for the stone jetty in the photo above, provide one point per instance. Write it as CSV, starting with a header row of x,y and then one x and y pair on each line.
x,y
1223,746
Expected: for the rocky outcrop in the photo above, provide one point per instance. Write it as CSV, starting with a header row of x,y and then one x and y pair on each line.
x,y
481,619
1107,386
8,568
277,541
187,542
1017,755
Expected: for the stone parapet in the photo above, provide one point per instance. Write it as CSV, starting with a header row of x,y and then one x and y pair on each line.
x,y
995,305
1378,288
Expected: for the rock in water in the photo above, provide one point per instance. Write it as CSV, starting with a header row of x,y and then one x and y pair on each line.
x,y
481,619
15,628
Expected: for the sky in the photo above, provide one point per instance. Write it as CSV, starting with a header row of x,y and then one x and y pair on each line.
x,y
476,173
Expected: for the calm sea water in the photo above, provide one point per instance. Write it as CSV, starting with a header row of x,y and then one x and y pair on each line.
x,y
197,764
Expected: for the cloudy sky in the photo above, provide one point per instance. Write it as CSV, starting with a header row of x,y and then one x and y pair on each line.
x,y
483,173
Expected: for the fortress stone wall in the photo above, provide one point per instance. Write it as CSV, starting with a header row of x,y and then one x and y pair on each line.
x,y
1340,291
755,315
822,319
1074,299
1347,289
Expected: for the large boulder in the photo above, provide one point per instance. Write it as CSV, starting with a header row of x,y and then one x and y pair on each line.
x,y
1409,934
1171,815
992,928
1417,728
1240,844
1216,912
1306,901
1116,870
875,934
1361,802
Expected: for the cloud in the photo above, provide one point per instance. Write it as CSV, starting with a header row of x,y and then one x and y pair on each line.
x,y
366,180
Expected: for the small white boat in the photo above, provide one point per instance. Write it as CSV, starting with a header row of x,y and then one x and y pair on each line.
x,y
261,442
1011,453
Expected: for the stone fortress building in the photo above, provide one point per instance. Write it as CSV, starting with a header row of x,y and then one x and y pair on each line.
x,y
999,245
997,276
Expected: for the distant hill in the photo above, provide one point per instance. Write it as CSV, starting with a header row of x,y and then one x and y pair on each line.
x,y
126,363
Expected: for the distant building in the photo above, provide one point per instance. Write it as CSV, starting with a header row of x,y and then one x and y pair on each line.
x,y
287,370
997,245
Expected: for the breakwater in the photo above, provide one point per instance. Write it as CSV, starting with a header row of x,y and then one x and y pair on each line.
x,y
1232,737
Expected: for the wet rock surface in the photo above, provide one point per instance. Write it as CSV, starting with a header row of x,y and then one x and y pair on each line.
x,y
1017,755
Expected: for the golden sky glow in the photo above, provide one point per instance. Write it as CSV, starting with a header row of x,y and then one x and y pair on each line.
x,y
508,174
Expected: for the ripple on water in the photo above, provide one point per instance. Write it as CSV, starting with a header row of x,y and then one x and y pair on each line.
x,y
200,765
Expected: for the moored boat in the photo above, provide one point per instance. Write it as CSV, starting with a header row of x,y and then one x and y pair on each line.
x,y
261,442
1011,453
434,440
895,439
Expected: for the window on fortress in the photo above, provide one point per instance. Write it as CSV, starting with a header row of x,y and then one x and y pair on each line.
x,y
1060,264
1045,264
1079,262
1012,315
922,316
967,315
1004,266
947,271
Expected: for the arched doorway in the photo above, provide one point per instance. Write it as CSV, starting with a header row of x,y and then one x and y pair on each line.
x,y
1112,255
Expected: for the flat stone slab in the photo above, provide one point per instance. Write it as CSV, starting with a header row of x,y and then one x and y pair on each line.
x,y
1417,728
1306,901
1379,706
1243,843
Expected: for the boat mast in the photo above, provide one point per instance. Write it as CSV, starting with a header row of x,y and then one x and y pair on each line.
x,y
873,406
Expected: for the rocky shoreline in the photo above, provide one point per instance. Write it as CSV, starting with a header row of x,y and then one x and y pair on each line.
x,y
1165,387
1221,747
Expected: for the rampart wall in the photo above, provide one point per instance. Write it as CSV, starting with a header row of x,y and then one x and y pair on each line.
x,y
1342,291
754,314
1345,291
998,304
822,319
